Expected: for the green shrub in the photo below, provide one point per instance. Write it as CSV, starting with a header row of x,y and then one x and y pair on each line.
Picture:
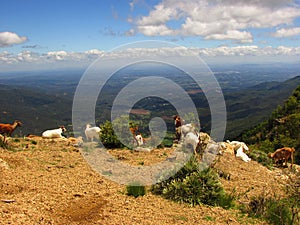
x,y
108,137
192,186
166,142
135,189
261,157
278,210
275,211
3,144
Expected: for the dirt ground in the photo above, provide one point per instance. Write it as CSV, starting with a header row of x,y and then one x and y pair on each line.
x,y
49,182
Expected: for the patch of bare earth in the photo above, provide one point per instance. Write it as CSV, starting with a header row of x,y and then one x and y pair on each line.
x,y
49,182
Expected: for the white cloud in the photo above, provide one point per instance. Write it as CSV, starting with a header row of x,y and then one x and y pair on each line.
x,y
241,36
217,19
58,55
287,32
10,38
87,57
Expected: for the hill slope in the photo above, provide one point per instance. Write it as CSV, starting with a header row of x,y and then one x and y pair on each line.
x,y
281,129
36,110
253,105
49,182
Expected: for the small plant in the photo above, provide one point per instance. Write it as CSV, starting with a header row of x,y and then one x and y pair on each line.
x,y
275,211
209,218
193,186
135,189
3,144
108,137
33,142
261,157
167,143
141,163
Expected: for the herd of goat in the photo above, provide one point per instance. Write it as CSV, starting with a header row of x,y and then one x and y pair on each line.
x,y
183,132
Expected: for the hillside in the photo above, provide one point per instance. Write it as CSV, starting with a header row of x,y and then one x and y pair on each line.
x,y
35,109
280,129
49,182
253,105
43,101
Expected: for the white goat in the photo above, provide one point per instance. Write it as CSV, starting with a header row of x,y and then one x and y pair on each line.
x,y
187,128
55,133
139,139
240,147
191,139
92,132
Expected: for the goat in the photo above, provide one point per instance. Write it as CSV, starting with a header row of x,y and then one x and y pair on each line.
x,y
92,132
178,123
133,130
139,139
55,133
204,139
8,129
191,139
239,148
283,154
187,128
226,147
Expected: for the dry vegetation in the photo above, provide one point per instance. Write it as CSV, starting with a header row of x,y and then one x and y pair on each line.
x,y
49,182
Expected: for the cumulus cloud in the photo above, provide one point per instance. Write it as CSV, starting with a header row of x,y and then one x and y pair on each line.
x,y
287,32
216,19
242,36
9,38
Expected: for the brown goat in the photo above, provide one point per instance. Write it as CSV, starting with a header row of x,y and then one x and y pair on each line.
x,y
178,123
133,130
8,129
283,155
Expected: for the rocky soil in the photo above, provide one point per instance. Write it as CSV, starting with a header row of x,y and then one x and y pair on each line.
x,y
49,182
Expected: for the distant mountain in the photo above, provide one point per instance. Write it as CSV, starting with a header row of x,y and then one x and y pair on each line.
x,y
36,110
281,129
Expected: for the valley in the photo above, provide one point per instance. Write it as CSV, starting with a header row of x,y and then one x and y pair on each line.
x,y
44,99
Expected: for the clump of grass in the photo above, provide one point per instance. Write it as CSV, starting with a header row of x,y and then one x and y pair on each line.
x,y
135,189
141,163
3,144
194,186
261,157
275,211
34,142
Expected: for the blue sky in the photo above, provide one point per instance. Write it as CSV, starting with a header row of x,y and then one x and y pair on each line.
x,y
35,33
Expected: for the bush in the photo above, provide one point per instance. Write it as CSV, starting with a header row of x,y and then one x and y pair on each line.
x,y
273,210
3,144
192,186
34,142
261,157
278,210
135,189
166,143
108,137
